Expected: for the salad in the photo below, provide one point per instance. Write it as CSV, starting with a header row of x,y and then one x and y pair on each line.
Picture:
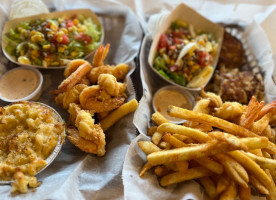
x,y
52,42
185,56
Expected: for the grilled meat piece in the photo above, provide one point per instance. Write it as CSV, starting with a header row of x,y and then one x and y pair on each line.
x,y
239,86
232,52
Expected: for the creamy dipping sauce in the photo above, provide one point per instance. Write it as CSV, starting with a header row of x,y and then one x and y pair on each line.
x,y
18,84
166,97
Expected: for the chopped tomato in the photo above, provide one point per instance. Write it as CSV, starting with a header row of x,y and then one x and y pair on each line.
x,y
187,71
177,40
172,47
86,39
163,41
69,23
65,39
204,59
177,34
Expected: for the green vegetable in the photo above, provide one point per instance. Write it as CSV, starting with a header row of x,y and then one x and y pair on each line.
x,y
33,46
179,79
25,26
20,47
10,50
11,42
174,26
164,74
93,45
92,29
159,63
37,62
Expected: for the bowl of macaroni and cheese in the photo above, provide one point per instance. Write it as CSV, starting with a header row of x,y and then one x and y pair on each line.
x,y
31,136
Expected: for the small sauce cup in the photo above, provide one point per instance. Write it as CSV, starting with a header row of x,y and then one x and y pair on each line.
x,y
172,95
21,84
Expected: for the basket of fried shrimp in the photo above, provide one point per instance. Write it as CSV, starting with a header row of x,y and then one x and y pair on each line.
x,y
90,92
228,148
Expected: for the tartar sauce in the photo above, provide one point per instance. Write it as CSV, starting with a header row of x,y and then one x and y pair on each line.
x,y
18,84
165,97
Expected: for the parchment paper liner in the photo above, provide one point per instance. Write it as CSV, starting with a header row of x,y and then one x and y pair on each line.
x,y
68,13
200,23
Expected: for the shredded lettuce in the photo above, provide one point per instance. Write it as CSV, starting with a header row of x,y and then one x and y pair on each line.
x,y
93,30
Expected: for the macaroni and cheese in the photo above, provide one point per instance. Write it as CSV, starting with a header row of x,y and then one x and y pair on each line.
x,y
29,132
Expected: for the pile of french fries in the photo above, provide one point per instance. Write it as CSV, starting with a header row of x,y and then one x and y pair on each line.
x,y
227,147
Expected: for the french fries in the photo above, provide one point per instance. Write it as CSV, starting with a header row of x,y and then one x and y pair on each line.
x,y
159,119
117,114
252,167
234,170
145,168
262,161
257,185
189,132
222,184
244,193
207,119
210,164
148,147
228,158
230,192
174,141
177,177
209,186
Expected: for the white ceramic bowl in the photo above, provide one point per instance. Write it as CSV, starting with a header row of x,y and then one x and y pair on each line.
x,y
35,94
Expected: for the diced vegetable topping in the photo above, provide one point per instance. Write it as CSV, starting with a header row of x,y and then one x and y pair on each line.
x,y
182,52
49,42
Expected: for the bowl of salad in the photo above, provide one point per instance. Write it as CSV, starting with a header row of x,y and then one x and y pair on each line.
x,y
52,40
185,50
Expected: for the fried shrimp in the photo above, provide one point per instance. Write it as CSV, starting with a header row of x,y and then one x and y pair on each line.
x,y
75,77
260,125
215,99
271,107
202,106
59,98
119,71
93,89
73,66
100,55
111,85
252,112
72,96
95,98
90,131
83,144
229,111
73,110
106,96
